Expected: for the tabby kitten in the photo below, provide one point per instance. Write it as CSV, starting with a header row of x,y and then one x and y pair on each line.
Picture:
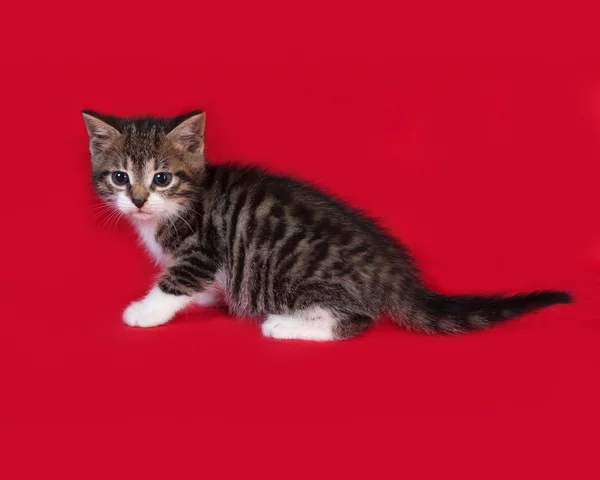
x,y
267,246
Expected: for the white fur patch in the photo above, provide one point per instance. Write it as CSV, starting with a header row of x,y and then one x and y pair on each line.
x,y
315,324
215,295
147,233
154,309
123,203
208,299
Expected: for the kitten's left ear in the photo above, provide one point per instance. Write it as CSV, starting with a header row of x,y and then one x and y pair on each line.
x,y
188,132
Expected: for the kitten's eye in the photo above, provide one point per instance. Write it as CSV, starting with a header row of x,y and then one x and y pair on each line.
x,y
120,178
162,179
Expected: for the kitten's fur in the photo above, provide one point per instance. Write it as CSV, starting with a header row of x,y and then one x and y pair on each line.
x,y
268,246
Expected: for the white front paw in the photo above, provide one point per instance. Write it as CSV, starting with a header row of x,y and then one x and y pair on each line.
x,y
145,314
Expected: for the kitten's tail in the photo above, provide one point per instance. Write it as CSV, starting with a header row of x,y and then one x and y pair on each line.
x,y
425,310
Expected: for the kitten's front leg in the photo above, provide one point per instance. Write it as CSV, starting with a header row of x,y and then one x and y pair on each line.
x,y
156,308
176,289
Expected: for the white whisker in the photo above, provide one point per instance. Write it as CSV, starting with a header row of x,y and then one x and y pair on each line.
x,y
179,216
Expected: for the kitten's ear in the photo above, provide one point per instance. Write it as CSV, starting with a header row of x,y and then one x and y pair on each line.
x,y
187,133
100,131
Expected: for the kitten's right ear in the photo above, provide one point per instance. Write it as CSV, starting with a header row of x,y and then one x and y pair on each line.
x,y
100,131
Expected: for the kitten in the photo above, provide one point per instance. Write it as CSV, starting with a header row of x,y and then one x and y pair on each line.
x,y
267,246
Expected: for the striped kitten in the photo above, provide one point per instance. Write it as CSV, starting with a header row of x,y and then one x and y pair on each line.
x,y
266,246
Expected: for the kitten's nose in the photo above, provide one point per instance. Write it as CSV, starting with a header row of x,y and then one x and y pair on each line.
x,y
138,201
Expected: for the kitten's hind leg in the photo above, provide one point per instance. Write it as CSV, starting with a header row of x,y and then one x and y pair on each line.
x,y
316,323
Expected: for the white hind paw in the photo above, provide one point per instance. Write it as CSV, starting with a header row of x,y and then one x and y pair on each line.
x,y
302,326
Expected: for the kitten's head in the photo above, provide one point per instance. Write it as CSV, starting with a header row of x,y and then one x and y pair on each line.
x,y
146,168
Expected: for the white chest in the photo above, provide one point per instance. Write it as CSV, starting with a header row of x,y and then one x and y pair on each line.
x,y
147,233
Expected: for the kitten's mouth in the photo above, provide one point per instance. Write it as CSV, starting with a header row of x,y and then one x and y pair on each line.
x,y
142,215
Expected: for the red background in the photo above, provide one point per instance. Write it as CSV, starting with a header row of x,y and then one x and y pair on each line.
x,y
470,129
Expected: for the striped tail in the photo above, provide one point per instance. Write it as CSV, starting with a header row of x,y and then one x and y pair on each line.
x,y
424,310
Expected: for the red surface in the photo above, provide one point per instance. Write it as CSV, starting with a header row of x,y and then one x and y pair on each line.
x,y
471,130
